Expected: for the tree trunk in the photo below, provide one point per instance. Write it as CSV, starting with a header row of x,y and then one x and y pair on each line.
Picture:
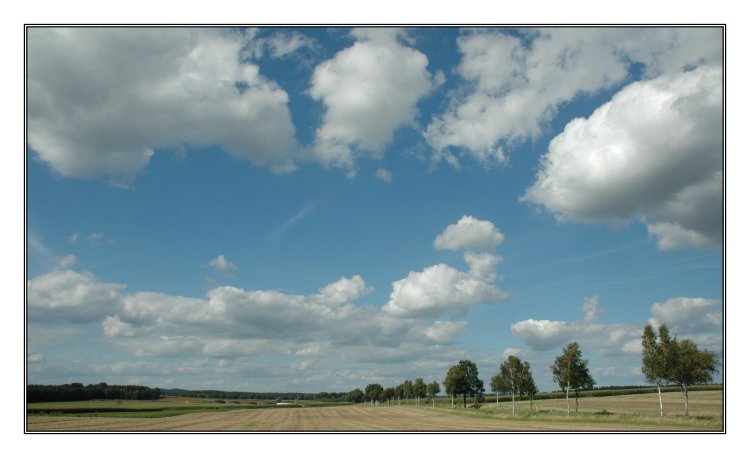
x,y
661,404
513,400
464,400
685,393
576,392
497,400
567,398
452,401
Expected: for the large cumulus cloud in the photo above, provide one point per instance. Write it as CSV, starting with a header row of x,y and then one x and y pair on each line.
x,y
101,101
653,153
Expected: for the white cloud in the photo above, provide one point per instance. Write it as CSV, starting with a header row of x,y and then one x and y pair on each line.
x,y
280,44
71,296
304,331
653,153
469,233
445,332
517,80
103,100
591,308
66,261
688,314
482,265
95,238
113,326
608,339
540,334
34,358
224,265
384,175
343,291
146,309
439,289
369,90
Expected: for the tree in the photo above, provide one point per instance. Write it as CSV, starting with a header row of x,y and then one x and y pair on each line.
x,y
373,392
398,392
408,388
571,372
528,386
420,389
433,389
658,358
356,396
691,366
463,379
389,394
498,386
511,376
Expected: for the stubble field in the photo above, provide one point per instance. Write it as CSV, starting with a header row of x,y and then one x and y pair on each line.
x,y
616,413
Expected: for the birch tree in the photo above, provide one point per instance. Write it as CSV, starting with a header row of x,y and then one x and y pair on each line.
x,y
433,389
658,358
570,371
691,366
420,389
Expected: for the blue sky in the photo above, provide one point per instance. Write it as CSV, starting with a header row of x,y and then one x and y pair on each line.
x,y
316,209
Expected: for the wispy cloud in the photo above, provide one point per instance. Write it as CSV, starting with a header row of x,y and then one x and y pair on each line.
x,y
303,212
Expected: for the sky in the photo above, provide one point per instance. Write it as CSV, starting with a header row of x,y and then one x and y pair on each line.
x,y
316,209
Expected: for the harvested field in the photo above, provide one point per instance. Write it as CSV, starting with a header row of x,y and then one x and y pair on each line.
x,y
348,418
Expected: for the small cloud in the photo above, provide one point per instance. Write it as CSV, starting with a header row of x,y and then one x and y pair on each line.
x,y
224,265
469,233
66,261
591,308
35,358
73,238
95,238
384,175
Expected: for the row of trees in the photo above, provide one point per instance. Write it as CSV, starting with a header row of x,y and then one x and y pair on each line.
x,y
80,392
322,396
666,360
375,392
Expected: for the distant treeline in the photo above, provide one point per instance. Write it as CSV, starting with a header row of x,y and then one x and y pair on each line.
x,y
216,394
80,392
